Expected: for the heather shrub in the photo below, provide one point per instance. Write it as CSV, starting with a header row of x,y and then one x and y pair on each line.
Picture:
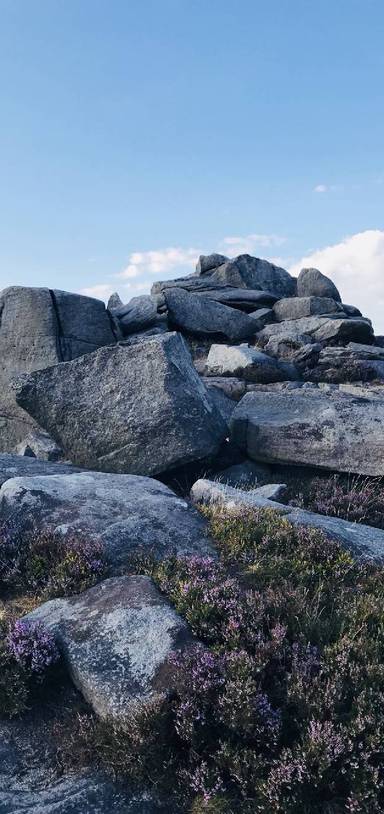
x,y
49,564
27,655
354,498
280,710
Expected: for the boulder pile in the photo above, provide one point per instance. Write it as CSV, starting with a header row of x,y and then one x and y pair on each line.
x,y
231,371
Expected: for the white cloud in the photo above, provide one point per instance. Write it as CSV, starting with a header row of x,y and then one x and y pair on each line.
x,y
247,244
160,261
356,265
321,188
102,291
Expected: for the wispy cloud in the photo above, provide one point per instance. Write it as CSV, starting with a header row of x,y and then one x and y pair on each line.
x,y
321,188
247,244
356,265
159,261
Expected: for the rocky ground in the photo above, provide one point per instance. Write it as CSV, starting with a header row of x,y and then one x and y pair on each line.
x,y
117,425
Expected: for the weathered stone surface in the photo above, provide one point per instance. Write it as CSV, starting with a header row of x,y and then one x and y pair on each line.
x,y
284,346
116,639
272,491
263,315
312,283
207,262
322,329
138,314
247,363
298,307
141,409
40,328
114,301
244,299
325,430
18,466
244,475
39,444
245,271
351,310
127,513
201,316
224,404
353,363
233,387
364,542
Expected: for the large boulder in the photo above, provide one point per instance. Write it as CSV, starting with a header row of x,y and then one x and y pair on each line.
x,y
128,514
309,427
208,262
245,299
117,639
297,307
364,542
141,409
202,316
245,271
137,315
312,283
353,363
39,328
248,363
322,329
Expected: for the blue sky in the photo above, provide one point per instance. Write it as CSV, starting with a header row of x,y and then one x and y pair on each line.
x,y
135,134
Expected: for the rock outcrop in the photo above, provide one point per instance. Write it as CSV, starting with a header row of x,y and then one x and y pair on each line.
x,y
327,430
140,409
40,328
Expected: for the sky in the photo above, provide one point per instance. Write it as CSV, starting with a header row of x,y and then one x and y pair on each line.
x,y
137,134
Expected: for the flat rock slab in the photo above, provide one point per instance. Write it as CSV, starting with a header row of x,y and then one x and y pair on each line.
x,y
116,639
297,307
364,542
16,466
322,329
141,409
309,427
248,363
205,317
39,328
127,513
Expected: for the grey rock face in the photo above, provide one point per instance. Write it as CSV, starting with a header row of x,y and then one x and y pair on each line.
x,y
364,542
297,307
207,262
39,444
247,363
202,316
322,329
116,639
312,283
353,363
245,271
141,409
224,404
351,310
285,346
263,315
138,314
244,299
326,430
40,328
127,513
15,466
114,301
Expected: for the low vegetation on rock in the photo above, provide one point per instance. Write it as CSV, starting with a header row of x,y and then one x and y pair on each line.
x,y
280,708
354,498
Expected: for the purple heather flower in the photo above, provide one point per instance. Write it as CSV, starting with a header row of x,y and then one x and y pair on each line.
x,y
32,646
